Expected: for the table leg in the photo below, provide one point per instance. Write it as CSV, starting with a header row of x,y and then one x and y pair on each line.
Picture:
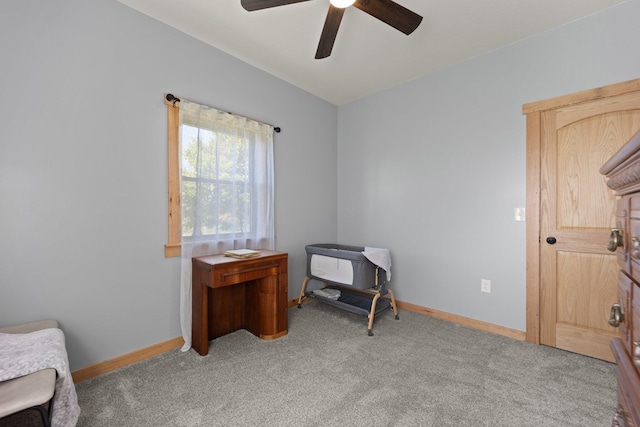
x,y
199,315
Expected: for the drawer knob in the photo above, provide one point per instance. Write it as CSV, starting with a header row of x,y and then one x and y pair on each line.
x,y
616,316
615,240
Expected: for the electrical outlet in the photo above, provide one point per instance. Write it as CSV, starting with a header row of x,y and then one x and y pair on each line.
x,y
485,285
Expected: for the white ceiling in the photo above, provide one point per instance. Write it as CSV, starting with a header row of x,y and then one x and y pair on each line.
x,y
368,55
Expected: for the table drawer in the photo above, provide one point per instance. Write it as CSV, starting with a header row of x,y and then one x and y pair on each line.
x,y
230,276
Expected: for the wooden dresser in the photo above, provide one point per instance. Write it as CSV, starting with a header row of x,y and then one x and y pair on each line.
x,y
623,177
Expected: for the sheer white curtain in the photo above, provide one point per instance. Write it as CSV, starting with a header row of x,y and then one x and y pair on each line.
x,y
226,189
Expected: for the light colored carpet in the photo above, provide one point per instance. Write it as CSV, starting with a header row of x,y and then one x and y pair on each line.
x,y
416,371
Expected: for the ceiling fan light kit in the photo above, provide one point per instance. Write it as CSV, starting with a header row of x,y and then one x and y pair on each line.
x,y
387,11
342,3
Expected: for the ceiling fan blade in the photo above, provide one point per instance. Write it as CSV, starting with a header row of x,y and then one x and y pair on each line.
x,y
329,31
390,12
252,5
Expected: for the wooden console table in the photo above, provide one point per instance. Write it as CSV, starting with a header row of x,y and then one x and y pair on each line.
x,y
230,294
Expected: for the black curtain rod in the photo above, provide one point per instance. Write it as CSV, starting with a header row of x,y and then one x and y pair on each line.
x,y
173,99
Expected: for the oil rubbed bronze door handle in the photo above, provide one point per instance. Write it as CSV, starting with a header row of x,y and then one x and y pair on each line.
x,y
551,240
616,316
615,240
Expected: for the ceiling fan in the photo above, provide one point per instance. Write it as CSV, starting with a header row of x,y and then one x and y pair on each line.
x,y
388,11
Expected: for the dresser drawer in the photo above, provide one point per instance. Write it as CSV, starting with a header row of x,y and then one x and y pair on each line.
x,y
628,387
632,241
633,205
634,248
622,219
635,326
625,285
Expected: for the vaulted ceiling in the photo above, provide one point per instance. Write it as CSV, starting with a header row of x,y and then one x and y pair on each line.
x,y
368,55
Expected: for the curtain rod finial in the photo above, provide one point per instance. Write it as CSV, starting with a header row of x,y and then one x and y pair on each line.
x,y
171,98
276,129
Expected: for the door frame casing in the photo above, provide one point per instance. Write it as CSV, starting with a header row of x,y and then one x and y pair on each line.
x,y
533,112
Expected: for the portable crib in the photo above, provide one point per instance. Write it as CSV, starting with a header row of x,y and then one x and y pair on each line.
x,y
361,282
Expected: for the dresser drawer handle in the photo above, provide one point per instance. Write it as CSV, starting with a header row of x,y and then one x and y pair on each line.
x,y
636,354
635,246
619,420
616,316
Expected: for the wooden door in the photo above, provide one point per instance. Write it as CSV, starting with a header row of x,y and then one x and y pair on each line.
x,y
577,212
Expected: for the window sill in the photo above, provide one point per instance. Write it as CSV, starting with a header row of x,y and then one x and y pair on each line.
x,y
172,250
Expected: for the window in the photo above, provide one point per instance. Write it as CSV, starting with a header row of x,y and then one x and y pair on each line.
x,y
215,174
220,179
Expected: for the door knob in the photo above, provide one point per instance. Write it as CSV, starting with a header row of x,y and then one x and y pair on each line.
x,y
615,240
551,240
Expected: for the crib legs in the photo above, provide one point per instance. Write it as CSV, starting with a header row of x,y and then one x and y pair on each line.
x,y
304,286
372,313
393,304
373,310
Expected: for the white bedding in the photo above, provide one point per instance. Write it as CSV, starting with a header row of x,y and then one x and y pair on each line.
x,y
380,257
23,354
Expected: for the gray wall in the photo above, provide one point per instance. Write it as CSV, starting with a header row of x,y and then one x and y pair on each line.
x,y
433,169
83,160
